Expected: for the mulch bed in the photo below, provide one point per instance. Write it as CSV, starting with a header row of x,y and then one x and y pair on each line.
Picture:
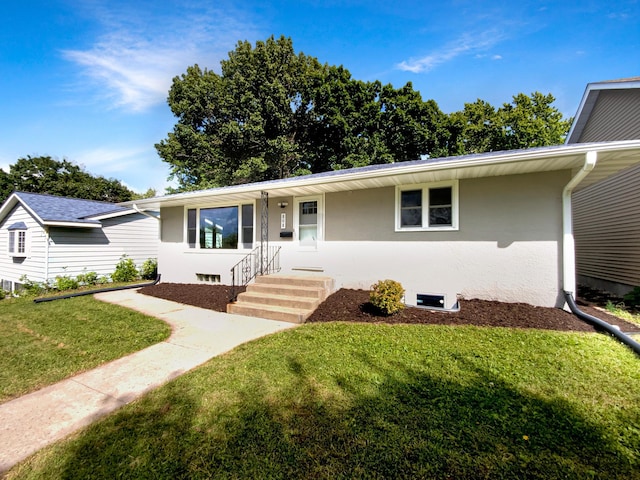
x,y
353,305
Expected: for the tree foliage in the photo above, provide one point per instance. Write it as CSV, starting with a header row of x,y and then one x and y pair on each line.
x,y
528,121
273,113
46,175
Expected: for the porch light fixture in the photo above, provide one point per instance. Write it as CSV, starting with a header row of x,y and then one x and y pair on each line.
x,y
283,204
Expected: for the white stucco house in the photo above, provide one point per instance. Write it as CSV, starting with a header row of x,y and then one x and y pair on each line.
x,y
491,226
43,236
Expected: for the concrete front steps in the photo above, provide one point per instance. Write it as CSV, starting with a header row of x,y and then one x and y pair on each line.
x,y
287,298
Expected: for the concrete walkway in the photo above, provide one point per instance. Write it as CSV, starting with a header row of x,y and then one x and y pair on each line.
x,y
33,421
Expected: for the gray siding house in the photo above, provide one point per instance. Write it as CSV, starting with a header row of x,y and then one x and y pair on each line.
x,y
43,236
494,226
607,215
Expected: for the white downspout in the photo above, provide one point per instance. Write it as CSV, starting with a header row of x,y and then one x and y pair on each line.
x,y
568,244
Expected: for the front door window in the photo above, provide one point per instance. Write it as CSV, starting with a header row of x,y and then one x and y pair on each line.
x,y
308,221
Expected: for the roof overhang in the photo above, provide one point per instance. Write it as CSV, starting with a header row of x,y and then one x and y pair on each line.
x,y
56,223
613,157
588,102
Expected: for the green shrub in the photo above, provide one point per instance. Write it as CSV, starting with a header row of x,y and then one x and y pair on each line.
x,y
88,278
149,269
3,294
126,271
387,296
29,288
103,280
632,298
66,283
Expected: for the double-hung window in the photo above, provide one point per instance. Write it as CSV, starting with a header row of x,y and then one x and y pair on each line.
x,y
427,206
228,227
18,240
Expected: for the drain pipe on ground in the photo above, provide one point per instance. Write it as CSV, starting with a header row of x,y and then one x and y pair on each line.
x,y
100,290
569,257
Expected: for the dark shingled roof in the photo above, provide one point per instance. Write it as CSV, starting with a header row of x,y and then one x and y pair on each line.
x,y
62,209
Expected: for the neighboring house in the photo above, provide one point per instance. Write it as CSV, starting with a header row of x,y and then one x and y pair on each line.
x,y
607,215
44,236
491,226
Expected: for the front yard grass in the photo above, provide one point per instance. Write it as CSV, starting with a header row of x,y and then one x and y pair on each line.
x,y
41,344
342,400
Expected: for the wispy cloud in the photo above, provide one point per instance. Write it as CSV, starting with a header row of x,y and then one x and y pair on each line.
x,y
133,62
466,45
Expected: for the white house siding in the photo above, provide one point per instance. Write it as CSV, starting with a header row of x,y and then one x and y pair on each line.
x,y
33,265
73,251
606,227
507,247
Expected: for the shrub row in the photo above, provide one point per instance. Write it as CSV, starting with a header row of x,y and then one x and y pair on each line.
x,y
125,271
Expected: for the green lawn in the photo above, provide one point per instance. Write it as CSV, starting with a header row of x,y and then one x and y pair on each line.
x,y
43,343
377,401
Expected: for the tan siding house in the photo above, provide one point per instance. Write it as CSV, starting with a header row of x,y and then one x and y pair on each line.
x,y
491,226
65,236
607,215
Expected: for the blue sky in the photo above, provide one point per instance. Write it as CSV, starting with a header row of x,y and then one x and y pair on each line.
x,y
87,80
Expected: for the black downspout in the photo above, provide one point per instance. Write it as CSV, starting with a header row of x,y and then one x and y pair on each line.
x,y
626,339
100,290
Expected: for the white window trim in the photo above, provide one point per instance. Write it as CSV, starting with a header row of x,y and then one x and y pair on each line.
x,y
425,207
15,252
320,219
217,251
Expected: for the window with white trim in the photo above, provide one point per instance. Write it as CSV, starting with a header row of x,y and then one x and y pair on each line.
x,y
18,243
228,227
430,206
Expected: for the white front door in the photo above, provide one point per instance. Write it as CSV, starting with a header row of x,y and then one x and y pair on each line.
x,y
308,216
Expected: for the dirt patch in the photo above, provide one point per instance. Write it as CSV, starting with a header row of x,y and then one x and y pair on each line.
x,y
353,305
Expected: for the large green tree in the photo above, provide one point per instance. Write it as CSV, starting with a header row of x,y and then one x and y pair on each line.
x,y
528,121
272,113
44,174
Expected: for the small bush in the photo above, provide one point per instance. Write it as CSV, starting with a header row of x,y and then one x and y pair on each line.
x,y
149,269
29,288
66,283
3,294
88,278
386,296
632,298
103,280
126,271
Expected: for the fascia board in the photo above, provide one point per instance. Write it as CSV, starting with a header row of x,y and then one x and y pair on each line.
x,y
499,158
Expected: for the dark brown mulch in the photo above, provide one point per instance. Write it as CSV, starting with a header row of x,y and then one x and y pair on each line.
x,y
353,305
212,297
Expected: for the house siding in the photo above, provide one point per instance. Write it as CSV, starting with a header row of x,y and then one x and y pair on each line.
x,y
606,229
614,117
605,216
508,225
33,265
74,251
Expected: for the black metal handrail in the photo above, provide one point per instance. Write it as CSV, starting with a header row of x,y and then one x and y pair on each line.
x,y
261,261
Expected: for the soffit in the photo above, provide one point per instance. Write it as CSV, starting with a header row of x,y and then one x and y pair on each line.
x,y
612,158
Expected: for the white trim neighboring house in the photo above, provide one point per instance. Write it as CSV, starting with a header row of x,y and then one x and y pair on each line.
x,y
44,236
606,216
491,226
